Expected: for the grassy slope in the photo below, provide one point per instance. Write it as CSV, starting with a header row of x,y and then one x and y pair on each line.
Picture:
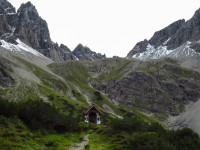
x,y
76,72
99,142
154,66
51,88
119,69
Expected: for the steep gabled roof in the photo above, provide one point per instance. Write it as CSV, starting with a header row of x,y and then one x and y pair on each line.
x,y
93,106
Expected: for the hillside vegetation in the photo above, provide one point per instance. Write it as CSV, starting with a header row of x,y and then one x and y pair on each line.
x,y
43,107
156,86
35,124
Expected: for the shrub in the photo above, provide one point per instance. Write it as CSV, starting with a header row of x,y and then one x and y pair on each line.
x,y
130,125
98,95
142,135
52,143
7,108
87,147
148,141
38,114
185,139
156,127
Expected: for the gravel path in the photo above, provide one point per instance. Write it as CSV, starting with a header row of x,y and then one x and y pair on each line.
x,y
81,145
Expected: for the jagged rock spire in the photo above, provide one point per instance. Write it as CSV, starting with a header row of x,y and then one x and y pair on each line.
x,y
28,11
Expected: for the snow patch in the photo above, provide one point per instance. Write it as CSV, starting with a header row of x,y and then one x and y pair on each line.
x,y
7,8
25,47
162,51
20,47
13,30
150,47
184,51
76,57
166,41
8,46
11,13
152,53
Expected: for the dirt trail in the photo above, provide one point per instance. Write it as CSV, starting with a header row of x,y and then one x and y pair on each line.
x,y
81,145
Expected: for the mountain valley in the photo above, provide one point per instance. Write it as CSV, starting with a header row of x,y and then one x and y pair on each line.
x,y
45,88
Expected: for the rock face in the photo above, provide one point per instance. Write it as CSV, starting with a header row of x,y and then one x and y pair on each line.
x,y
5,79
30,28
84,53
161,36
179,37
7,19
139,48
157,86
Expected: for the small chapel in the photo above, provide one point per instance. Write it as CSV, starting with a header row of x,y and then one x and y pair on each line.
x,y
93,115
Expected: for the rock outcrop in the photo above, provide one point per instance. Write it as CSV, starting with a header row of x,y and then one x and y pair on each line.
x,y
5,79
8,19
139,48
157,86
84,53
31,28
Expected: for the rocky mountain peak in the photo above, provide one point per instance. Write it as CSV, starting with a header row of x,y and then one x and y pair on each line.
x,y
189,31
179,40
158,38
81,48
139,47
6,7
27,26
3,1
161,36
197,13
84,53
28,11
31,28
7,17
62,46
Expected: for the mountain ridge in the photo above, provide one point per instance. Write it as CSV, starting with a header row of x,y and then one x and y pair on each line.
x,y
30,28
177,38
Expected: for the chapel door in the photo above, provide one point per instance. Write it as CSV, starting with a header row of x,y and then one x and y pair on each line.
x,y
93,118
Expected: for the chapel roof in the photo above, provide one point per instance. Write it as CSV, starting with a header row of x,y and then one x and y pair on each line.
x,y
93,107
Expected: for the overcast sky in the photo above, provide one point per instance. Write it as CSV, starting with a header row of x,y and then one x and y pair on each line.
x,y
112,27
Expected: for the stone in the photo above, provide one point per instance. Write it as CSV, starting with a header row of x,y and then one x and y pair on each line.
x,y
154,86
